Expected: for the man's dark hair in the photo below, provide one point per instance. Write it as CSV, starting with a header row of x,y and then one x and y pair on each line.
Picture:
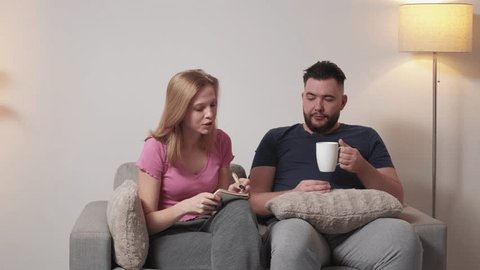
x,y
324,70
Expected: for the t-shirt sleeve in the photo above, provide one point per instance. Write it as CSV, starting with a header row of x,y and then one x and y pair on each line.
x,y
152,158
266,153
225,146
379,158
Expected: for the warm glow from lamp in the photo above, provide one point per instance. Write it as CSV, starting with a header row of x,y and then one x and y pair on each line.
x,y
436,27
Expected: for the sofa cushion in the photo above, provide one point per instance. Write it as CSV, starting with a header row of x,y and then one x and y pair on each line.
x,y
338,211
127,226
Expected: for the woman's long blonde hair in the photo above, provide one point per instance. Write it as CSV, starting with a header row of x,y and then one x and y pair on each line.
x,y
181,90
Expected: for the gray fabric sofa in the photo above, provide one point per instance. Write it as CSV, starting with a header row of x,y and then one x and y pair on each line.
x,y
91,242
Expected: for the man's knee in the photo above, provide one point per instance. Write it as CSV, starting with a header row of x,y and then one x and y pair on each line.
x,y
405,244
296,240
407,239
384,243
402,234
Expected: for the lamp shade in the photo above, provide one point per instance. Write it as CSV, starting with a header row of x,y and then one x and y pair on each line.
x,y
443,27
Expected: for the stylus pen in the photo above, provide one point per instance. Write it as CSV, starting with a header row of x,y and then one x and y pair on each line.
x,y
235,177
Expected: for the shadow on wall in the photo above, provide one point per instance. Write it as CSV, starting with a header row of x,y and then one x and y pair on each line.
x,y
465,65
6,112
412,159
455,200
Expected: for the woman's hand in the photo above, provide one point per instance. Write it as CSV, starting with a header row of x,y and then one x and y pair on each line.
x,y
202,204
237,187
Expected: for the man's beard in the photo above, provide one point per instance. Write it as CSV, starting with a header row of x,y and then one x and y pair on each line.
x,y
326,128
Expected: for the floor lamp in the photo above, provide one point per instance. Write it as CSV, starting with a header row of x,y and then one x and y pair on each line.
x,y
435,28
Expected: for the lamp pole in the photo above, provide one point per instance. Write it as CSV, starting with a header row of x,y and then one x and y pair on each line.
x,y
434,136
440,27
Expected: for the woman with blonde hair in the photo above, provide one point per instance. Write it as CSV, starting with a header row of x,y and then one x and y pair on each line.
x,y
185,159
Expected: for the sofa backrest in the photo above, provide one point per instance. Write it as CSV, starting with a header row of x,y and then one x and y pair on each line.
x,y
126,171
129,170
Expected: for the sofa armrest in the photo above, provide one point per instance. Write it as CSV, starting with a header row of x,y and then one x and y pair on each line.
x,y
433,235
90,239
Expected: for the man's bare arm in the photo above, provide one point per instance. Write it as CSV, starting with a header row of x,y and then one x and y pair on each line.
x,y
261,184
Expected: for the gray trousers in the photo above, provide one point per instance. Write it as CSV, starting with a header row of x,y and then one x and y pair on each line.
x,y
386,243
228,240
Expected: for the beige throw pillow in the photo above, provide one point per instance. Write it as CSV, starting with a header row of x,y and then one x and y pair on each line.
x,y
128,228
339,211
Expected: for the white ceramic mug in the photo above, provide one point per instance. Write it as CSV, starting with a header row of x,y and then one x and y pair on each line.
x,y
327,156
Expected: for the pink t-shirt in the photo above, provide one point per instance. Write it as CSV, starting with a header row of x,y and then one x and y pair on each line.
x,y
178,183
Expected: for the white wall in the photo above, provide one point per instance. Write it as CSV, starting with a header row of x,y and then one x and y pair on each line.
x,y
81,83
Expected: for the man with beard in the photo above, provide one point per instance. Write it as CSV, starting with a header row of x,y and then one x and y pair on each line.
x,y
285,161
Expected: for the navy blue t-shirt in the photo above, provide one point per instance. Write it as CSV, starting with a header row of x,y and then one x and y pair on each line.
x,y
291,150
